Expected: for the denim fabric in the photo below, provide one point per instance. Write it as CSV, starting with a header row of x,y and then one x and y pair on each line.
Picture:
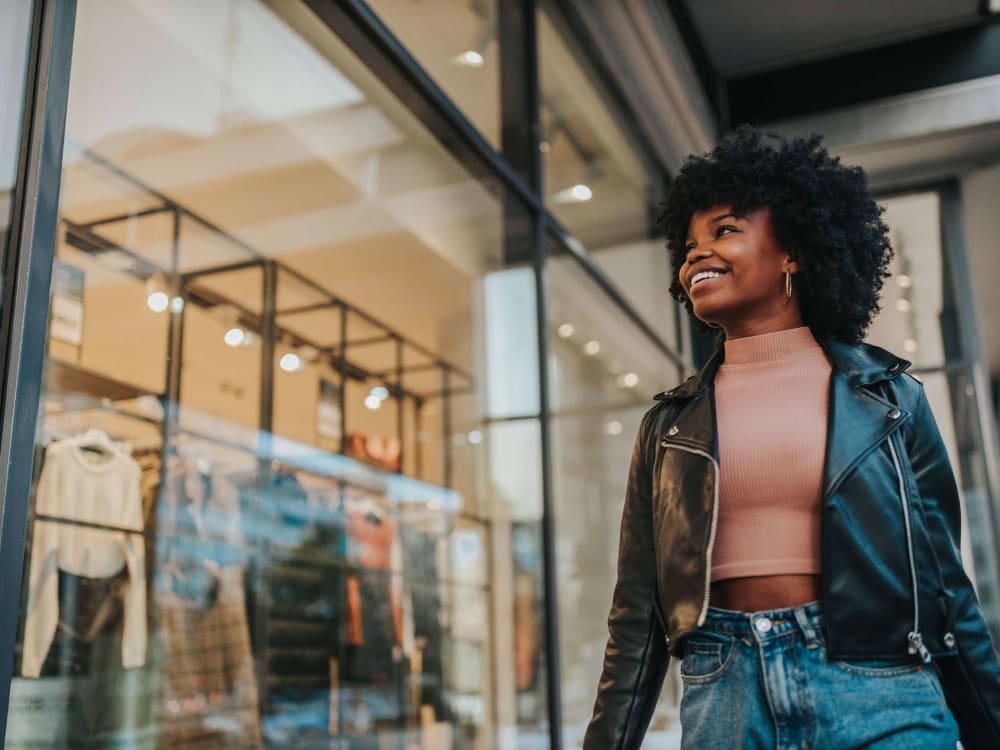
x,y
762,680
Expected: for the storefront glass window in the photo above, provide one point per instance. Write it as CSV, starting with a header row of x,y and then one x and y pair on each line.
x,y
272,505
596,183
15,24
456,42
603,375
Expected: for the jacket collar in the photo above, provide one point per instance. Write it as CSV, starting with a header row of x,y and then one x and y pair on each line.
x,y
862,364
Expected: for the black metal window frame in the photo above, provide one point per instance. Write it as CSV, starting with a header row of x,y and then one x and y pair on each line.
x,y
515,175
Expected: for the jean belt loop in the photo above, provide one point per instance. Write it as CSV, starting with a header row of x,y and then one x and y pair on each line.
x,y
804,622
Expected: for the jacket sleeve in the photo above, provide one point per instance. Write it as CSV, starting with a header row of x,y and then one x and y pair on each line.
x,y
971,680
636,657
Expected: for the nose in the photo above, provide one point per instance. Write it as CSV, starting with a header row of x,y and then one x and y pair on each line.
x,y
695,253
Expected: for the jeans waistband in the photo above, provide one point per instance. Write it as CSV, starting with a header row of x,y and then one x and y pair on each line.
x,y
768,623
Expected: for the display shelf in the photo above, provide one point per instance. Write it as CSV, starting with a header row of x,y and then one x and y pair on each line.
x,y
66,377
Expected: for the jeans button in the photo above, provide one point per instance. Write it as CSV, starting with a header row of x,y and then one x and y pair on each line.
x,y
763,624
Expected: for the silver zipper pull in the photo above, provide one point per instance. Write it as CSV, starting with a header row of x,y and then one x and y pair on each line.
x,y
916,642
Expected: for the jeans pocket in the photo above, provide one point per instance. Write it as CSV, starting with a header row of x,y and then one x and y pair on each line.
x,y
707,656
878,667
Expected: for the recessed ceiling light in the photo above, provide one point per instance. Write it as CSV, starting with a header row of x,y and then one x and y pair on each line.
x,y
291,363
234,336
470,58
157,301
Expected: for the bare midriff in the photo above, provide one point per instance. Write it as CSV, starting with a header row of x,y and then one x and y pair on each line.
x,y
756,593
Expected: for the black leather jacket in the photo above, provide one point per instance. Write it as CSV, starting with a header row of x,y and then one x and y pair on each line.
x,y
893,581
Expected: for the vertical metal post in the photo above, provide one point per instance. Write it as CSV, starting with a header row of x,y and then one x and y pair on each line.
x,y
520,96
446,441
418,428
24,316
268,332
400,400
175,350
342,372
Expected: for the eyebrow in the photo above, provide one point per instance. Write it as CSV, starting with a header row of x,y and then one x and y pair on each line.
x,y
718,218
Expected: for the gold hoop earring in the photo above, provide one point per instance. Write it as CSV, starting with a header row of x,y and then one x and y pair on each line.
x,y
788,286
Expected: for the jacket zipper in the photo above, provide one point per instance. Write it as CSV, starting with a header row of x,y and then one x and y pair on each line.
x,y
914,638
711,534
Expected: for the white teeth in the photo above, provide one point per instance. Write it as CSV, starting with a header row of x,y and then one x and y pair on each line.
x,y
704,275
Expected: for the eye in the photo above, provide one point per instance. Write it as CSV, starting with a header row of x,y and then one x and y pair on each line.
x,y
725,226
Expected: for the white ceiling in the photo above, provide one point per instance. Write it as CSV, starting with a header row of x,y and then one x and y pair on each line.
x,y
751,36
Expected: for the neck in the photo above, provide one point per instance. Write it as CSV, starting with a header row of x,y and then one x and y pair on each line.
x,y
771,324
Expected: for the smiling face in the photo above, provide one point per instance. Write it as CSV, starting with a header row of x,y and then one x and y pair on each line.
x,y
749,297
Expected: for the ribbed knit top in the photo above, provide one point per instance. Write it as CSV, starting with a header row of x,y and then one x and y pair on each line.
x,y
771,401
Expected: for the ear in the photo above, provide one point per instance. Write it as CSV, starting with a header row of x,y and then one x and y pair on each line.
x,y
790,265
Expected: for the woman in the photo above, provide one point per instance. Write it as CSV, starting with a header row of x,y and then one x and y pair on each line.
x,y
791,523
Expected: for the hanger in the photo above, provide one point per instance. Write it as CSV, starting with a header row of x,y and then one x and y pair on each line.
x,y
96,440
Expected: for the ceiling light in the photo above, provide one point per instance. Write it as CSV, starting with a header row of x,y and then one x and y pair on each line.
x,y
614,427
177,305
470,58
291,363
903,305
578,193
157,301
380,392
591,348
910,345
566,330
156,295
475,437
234,336
629,380
372,402
904,280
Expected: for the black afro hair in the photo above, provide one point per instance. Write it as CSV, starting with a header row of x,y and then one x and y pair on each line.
x,y
822,212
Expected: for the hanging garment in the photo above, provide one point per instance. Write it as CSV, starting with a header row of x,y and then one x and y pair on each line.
x,y
103,491
380,624
210,691
294,590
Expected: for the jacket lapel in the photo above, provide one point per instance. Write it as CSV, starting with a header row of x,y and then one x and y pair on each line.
x,y
859,417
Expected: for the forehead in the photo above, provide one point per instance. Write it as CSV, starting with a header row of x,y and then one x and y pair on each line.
x,y
713,214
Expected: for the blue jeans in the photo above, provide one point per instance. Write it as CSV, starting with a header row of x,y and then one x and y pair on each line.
x,y
759,680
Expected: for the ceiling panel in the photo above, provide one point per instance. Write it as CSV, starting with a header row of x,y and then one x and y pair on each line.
x,y
750,36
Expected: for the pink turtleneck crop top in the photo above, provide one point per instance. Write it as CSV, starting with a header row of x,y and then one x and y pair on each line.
x,y
771,397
